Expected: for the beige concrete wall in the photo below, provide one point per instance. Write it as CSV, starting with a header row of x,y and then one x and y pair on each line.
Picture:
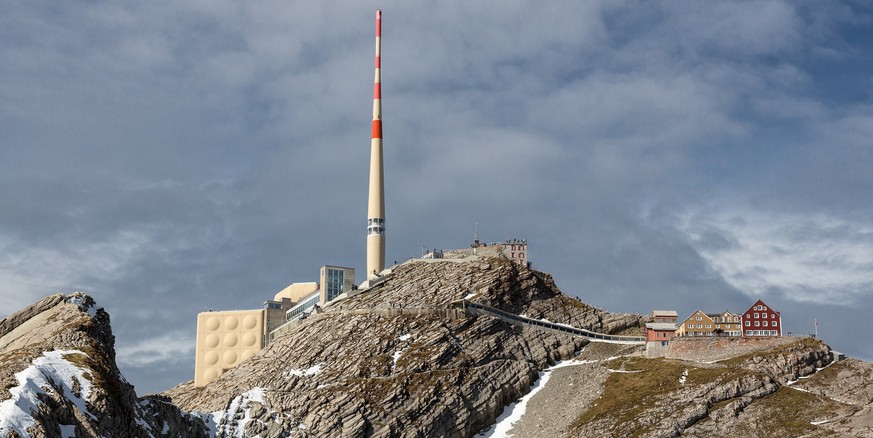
x,y
296,291
348,280
224,339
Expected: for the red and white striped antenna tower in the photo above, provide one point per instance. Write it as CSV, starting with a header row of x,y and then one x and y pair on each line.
x,y
376,204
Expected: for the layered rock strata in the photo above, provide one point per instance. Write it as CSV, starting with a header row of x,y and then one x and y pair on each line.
x,y
58,377
353,372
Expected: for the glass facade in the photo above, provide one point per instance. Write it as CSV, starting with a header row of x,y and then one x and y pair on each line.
x,y
334,286
305,305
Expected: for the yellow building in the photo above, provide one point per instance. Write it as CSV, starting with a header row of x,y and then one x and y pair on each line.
x,y
226,338
710,324
727,323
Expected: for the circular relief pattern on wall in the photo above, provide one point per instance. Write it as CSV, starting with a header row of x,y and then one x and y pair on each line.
x,y
213,323
247,354
211,340
230,357
231,323
211,358
230,340
211,374
250,322
249,340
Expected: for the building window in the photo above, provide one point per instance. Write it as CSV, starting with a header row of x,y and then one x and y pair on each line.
x,y
765,323
699,325
748,323
521,255
748,333
709,326
699,318
756,315
757,323
763,307
775,323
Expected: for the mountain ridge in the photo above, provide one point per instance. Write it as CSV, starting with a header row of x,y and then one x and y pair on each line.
x,y
377,364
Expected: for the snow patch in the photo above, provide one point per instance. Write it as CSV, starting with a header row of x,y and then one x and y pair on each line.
x,y
816,423
79,300
405,337
513,413
311,371
469,296
623,371
232,421
684,377
48,373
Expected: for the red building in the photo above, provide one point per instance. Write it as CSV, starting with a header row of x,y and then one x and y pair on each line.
x,y
663,328
761,320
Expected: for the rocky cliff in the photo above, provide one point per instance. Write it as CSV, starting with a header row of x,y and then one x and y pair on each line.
x,y
400,359
58,377
360,369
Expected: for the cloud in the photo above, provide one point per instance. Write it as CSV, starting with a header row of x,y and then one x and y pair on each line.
x,y
30,272
819,258
148,351
208,153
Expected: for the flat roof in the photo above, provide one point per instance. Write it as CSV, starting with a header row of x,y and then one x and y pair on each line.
x,y
665,312
661,325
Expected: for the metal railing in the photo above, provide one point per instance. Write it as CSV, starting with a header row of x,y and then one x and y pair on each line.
x,y
479,309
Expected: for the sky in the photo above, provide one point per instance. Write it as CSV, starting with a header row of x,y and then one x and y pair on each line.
x,y
174,157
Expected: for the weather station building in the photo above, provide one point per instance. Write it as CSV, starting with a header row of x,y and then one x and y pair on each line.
x,y
516,250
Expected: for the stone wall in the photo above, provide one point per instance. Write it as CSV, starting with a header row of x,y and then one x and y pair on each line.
x,y
708,349
655,349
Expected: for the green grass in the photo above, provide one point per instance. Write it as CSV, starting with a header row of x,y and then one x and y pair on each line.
x,y
626,395
788,412
629,404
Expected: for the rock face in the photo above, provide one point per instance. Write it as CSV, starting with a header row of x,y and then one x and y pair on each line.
x,y
58,377
360,369
403,360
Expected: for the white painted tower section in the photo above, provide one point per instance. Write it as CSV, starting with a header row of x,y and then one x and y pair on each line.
x,y
376,205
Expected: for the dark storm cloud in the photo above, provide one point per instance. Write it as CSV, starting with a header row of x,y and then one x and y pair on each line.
x,y
172,158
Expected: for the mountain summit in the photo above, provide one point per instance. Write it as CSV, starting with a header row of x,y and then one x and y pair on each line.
x,y
435,348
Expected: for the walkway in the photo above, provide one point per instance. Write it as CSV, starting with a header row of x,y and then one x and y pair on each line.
x,y
481,309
